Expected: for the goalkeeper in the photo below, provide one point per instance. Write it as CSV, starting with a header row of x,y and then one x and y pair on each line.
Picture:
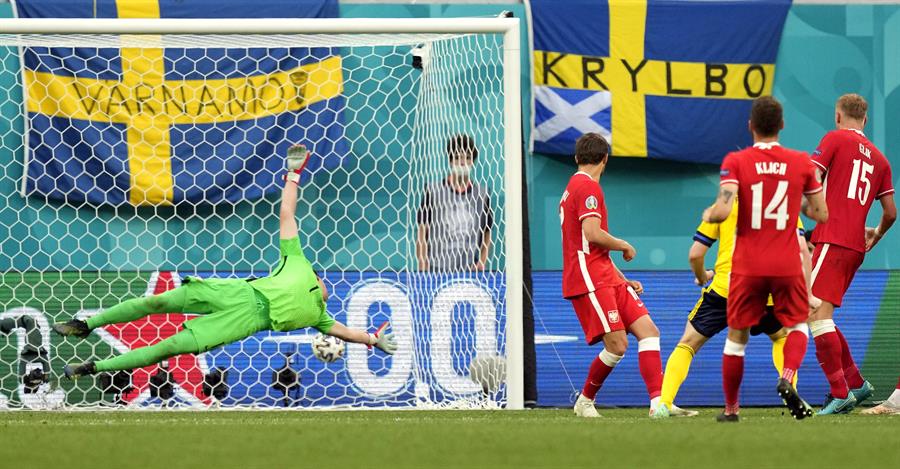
x,y
292,297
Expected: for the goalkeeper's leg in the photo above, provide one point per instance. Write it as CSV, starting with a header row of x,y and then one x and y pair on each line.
x,y
171,301
180,343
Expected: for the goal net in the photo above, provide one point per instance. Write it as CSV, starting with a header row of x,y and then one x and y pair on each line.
x,y
129,162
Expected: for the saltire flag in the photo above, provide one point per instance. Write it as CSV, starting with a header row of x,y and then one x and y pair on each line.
x,y
659,78
163,126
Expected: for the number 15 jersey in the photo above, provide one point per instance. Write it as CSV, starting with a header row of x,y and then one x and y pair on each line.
x,y
856,174
771,183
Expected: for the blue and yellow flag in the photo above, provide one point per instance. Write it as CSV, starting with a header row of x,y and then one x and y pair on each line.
x,y
161,126
659,78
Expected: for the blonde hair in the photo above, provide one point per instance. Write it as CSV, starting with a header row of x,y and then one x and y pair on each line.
x,y
853,106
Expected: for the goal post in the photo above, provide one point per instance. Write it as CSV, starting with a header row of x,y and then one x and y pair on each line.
x,y
513,144
79,243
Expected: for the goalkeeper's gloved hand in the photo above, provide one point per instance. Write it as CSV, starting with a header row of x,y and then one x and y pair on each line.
x,y
382,340
297,157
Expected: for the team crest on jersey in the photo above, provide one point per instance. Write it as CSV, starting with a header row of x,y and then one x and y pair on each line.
x,y
590,202
613,316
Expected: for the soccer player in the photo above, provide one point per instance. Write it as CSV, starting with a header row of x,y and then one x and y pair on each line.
x,y
606,303
292,297
770,181
855,174
708,317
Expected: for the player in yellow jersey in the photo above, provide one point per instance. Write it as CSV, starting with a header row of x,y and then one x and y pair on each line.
x,y
708,317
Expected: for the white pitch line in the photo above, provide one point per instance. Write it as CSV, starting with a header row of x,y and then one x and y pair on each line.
x,y
541,339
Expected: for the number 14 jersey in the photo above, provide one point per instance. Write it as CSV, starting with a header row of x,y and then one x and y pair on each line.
x,y
771,183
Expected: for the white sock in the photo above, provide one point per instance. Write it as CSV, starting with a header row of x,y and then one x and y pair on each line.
x,y
895,398
654,402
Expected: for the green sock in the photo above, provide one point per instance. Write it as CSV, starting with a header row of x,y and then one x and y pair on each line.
x,y
171,301
180,343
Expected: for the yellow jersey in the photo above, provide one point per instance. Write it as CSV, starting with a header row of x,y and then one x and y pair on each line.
x,y
724,232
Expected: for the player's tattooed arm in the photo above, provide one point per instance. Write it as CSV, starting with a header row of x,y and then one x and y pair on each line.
x,y
722,208
816,209
726,196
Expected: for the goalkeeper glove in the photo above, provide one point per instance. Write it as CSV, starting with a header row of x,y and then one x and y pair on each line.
x,y
382,340
297,157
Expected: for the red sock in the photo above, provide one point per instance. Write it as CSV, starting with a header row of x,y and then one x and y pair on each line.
x,y
596,376
898,383
650,365
794,350
851,372
732,374
828,351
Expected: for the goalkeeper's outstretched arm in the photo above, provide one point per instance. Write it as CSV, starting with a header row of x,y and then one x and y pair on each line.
x,y
288,212
380,339
297,158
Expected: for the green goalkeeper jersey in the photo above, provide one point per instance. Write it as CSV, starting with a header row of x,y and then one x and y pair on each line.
x,y
293,291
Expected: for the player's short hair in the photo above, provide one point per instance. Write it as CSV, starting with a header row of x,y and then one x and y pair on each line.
x,y
591,148
461,143
766,116
853,106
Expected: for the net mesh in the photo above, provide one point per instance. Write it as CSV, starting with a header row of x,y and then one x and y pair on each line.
x,y
131,162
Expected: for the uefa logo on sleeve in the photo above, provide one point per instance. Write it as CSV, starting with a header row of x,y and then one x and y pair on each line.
x,y
591,202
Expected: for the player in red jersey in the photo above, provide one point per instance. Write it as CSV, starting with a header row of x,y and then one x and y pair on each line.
x,y
855,175
770,182
606,303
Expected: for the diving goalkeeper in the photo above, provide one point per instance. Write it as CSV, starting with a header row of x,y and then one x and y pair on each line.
x,y
292,297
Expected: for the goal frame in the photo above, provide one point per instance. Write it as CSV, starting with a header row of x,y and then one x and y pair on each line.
x,y
512,115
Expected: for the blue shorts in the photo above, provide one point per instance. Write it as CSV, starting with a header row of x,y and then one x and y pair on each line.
x,y
709,316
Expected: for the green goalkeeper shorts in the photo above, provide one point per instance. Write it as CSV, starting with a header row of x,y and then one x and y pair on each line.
x,y
230,310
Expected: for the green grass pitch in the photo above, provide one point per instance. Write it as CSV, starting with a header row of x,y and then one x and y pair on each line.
x,y
415,439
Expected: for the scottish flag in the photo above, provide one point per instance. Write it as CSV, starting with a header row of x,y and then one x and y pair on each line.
x,y
162,126
660,79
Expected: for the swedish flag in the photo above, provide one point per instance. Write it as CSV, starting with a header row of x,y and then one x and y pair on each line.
x,y
660,78
162,126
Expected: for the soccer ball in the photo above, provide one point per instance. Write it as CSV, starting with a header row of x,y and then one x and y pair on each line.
x,y
327,348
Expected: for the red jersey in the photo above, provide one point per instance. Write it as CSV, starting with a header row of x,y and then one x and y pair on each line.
x,y
855,174
586,266
771,182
